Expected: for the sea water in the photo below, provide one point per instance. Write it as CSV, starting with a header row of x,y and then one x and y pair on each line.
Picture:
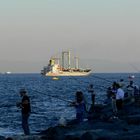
x,y
49,98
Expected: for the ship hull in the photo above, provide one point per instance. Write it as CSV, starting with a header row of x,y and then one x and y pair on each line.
x,y
68,74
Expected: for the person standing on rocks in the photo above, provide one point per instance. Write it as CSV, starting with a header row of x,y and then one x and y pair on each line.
x,y
80,106
119,98
25,110
91,91
130,89
113,97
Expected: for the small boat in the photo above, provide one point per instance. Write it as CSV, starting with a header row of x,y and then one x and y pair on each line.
x,y
54,68
55,78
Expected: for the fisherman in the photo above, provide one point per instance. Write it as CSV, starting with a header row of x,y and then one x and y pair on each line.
x,y
80,106
119,98
25,110
92,109
113,97
92,106
91,91
130,89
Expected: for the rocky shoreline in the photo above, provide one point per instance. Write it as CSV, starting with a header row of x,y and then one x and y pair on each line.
x,y
102,126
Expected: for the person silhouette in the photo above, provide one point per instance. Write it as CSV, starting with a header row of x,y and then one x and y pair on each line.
x,y
25,110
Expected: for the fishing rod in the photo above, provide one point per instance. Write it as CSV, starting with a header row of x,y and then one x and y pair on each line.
x,y
135,68
99,86
98,77
53,96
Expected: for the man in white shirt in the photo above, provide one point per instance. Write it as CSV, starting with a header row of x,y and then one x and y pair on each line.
x,y
119,97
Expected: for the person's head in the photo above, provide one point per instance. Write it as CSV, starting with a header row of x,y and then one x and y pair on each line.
x,y
114,85
22,92
117,85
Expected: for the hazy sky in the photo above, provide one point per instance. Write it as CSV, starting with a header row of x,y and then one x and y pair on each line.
x,y
105,34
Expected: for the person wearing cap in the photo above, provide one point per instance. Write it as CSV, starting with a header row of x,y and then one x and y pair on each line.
x,y
25,111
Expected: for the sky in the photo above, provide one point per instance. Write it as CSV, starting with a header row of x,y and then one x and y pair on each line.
x,y
104,34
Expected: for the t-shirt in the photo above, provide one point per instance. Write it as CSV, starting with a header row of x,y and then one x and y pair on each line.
x,y
26,108
119,94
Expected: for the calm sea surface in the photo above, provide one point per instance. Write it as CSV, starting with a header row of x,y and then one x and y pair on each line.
x,y
47,97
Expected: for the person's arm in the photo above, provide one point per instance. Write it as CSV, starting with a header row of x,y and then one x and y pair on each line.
x,y
19,105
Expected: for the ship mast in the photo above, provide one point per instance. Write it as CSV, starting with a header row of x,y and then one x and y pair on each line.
x,y
63,58
76,63
57,60
69,59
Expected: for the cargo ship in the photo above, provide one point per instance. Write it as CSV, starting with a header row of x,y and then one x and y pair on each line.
x,y
54,68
